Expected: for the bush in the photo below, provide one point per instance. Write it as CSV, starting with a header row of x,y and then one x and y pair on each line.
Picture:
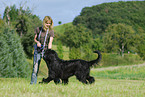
x,y
87,53
60,50
74,53
141,51
12,59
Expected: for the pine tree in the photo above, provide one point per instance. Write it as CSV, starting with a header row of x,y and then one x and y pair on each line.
x,y
12,57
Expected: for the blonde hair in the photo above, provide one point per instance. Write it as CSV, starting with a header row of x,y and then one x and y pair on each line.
x,y
48,18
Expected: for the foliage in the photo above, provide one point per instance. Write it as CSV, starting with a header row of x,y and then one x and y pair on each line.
x,y
12,59
98,44
114,59
141,50
25,23
21,26
87,52
1,25
59,22
60,50
76,36
99,17
74,53
27,43
119,38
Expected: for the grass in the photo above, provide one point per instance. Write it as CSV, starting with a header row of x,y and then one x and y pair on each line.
x,y
117,82
61,28
19,87
136,72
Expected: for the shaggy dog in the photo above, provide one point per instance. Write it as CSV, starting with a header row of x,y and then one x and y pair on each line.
x,y
63,69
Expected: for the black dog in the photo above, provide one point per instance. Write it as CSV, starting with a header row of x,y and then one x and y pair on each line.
x,y
63,69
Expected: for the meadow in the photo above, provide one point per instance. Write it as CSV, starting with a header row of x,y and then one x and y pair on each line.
x,y
110,82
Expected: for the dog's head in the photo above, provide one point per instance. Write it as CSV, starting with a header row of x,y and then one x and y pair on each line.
x,y
50,55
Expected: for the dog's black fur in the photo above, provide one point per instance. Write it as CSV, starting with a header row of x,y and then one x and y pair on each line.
x,y
63,69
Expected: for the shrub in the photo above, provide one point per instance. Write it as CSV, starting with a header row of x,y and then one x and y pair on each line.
x,y
60,50
141,51
74,53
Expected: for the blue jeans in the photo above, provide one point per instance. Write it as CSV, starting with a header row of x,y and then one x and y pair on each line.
x,y
36,64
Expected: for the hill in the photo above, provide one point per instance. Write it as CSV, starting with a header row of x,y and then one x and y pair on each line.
x,y
61,28
99,17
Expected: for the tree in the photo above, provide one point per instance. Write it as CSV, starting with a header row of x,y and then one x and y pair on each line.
x,y
21,26
27,43
12,58
76,36
1,24
119,37
6,15
25,23
59,22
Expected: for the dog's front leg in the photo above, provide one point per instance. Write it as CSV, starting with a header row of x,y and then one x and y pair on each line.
x,y
47,80
64,81
56,80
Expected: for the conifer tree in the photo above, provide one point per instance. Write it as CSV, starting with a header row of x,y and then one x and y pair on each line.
x,y
12,58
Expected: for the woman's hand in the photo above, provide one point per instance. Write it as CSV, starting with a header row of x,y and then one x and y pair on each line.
x,y
38,44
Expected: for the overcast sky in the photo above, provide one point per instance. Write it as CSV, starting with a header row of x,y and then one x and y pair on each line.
x,y
60,10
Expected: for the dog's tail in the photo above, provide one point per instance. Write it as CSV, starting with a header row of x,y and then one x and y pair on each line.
x,y
96,60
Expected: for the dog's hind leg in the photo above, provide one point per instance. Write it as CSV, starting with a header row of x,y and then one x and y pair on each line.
x,y
64,81
82,79
91,79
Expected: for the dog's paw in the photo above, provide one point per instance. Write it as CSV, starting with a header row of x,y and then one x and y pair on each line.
x,y
40,82
43,80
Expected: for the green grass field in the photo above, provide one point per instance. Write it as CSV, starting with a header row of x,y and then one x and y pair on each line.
x,y
110,82
19,87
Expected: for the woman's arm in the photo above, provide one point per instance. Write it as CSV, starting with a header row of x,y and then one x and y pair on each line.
x,y
50,43
38,43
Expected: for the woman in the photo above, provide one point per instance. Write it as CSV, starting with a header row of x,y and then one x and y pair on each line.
x,y
43,38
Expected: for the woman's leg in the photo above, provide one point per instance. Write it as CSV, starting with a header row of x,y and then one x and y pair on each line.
x,y
36,63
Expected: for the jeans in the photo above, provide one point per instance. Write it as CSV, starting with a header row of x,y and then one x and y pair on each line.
x,y
36,64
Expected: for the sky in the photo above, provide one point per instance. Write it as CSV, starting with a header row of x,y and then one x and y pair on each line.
x,y
59,10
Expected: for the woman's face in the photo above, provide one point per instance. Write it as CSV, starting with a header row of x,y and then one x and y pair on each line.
x,y
47,24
